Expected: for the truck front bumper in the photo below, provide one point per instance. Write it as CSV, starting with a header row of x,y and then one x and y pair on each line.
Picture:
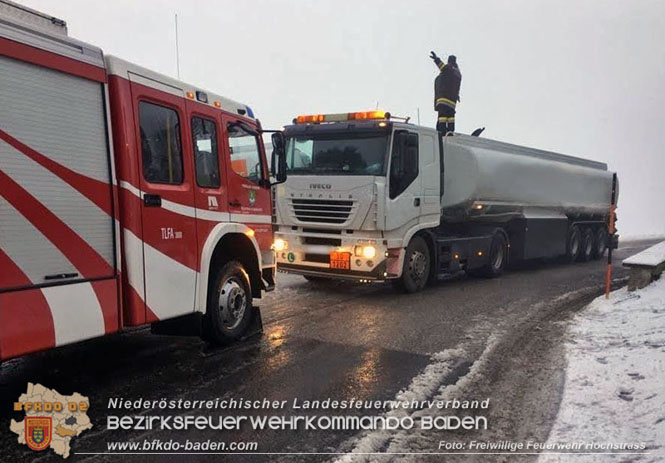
x,y
309,254
378,274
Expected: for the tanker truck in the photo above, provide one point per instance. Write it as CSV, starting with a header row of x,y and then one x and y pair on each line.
x,y
374,198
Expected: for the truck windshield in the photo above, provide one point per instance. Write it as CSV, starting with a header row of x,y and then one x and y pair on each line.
x,y
337,154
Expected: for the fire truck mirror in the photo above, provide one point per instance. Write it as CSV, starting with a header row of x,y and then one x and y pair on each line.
x,y
278,157
245,128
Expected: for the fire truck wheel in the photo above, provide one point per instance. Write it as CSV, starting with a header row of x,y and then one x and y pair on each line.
x,y
600,243
230,308
574,244
415,271
587,245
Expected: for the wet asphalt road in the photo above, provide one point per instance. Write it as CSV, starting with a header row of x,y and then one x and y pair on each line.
x,y
339,340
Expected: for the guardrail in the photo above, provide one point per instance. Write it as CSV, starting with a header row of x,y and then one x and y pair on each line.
x,y
645,266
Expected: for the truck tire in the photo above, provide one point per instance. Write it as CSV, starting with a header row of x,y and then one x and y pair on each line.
x,y
586,253
229,309
573,244
600,243
416,269
496,260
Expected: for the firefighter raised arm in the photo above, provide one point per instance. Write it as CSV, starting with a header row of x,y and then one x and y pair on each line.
x,y
440,64
446,92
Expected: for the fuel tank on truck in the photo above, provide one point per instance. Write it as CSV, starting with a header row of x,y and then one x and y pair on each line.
x,y
496,178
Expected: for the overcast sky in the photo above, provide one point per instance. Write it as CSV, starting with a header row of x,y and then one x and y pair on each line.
x,y
585,78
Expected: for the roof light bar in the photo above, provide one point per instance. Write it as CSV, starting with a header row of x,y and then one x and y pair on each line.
x,y
313,118
362,115
342,117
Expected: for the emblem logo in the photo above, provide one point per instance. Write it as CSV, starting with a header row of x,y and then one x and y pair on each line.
x,y
320,186
38,432
252,197
51,419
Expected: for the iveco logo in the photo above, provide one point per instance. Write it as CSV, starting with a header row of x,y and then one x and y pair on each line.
x,y
320,186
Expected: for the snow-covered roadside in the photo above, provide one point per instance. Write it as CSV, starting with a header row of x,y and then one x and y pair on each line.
x,y
632,238
615,380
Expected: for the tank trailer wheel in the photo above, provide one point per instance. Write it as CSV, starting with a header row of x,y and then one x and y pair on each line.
x,y
600,243
586,252
416,269
229,308
574,244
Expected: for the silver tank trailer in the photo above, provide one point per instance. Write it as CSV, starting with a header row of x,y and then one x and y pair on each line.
x,y
509,179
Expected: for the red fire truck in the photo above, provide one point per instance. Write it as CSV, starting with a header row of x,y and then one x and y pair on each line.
x,y
126,197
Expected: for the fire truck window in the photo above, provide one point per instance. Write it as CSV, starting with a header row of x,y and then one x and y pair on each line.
x,y
206,159
245,158
161,149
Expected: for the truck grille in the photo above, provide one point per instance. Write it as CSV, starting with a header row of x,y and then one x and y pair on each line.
x,y
321,210
318,258
318,240
322,230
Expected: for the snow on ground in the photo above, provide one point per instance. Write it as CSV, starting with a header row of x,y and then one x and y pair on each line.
x,y
429,385
615,380
651,257
632,238
422,387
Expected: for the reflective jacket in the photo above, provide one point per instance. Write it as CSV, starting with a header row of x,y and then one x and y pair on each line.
x,y
446,85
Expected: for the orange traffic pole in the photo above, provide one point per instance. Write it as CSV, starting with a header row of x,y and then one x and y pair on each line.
x,y
612,231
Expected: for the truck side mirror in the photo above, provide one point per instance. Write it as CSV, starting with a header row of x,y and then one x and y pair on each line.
x,y
278,157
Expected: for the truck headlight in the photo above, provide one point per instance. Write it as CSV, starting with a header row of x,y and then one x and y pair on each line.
x,y
369,252
280,245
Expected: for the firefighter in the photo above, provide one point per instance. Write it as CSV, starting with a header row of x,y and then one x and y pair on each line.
x,y
446,92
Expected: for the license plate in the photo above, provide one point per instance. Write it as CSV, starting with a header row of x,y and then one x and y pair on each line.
x,y
340,260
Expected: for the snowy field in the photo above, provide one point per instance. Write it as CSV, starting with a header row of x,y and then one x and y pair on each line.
x,y
615,380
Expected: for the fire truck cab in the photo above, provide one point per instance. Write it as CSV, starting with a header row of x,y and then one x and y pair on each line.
x,y
126,197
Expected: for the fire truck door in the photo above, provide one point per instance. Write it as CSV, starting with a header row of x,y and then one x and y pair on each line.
x,y
247,173
167,203
210,196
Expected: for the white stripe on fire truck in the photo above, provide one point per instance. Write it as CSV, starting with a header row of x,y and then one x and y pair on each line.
x,y
251,218
134,262
76,312
28,248
170,286
177,208
164,274
204,214
213,216
80,214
